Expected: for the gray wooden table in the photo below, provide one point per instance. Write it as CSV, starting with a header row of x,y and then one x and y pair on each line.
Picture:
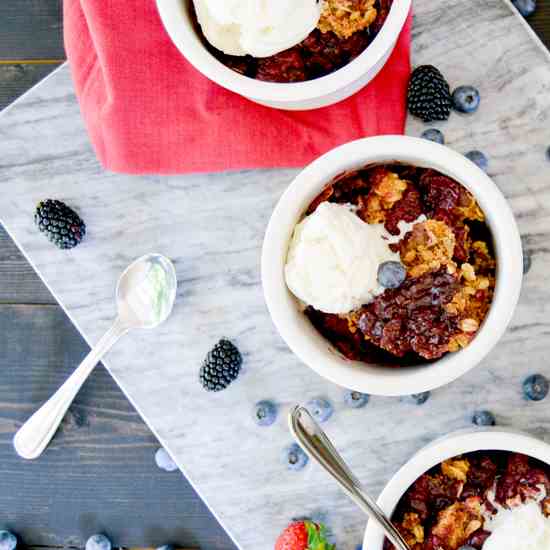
x,y
100,475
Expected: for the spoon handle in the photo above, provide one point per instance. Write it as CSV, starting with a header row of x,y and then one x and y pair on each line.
x,y
34,436
312,438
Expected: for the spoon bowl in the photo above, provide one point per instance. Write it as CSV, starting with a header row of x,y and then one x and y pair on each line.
x,y
146,291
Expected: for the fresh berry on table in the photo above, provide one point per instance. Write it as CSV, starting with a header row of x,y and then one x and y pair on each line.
x,y
466,99
419,398
355,399
391,274
294,457
98,542
429,95
304,535
525,7
479,159
8,541
265,413
61,224
320,408
484,418
221,366
535,387
164,461
433,134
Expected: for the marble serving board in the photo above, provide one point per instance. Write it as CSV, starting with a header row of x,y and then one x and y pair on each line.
x,y
212,227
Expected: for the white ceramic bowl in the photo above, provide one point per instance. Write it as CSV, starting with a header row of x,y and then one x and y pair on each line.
x,y
490,439
314,350
313,94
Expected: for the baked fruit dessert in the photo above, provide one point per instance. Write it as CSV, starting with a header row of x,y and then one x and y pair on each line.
x,y
393,264
488,500
288,41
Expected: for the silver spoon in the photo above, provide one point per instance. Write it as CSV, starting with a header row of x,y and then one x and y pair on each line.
x,y
315,442
145,294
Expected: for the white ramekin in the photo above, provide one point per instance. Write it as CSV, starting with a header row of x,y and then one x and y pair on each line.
x,y
314,350
313,94
488,439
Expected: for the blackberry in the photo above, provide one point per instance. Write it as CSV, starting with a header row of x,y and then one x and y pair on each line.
x,y
59,223
221,366
429,95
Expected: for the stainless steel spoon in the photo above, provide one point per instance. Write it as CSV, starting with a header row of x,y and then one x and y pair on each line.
x,y
315,442
145,294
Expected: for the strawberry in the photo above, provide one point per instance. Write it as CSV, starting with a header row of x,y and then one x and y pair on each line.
x,y
304,535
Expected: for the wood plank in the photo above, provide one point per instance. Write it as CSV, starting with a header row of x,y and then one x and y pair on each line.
x,y
15,79
540,21
31,29
19,283
99,474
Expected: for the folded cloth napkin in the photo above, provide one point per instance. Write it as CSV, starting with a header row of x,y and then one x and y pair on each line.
x,y
148,110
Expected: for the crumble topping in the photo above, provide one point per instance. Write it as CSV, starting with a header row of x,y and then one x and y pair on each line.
x,y
456,469
387,188
346,17
428,247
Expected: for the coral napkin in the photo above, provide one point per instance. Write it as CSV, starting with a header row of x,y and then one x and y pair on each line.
x,y
148,110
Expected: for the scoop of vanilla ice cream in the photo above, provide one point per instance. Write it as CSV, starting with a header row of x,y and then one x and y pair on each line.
x,y
333,259
257,27
523,527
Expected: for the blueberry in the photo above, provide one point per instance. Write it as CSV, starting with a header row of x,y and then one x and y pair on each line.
x,y
98,542
525,7
265,413
391,274
320,408
466,547
484,418
355,399
477,157
419,398
164,461
8,541
294,457
466,99
535,387
433,134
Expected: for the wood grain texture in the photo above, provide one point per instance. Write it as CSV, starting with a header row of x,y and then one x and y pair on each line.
x,y
540,21
99,473
31,29
17,78
19,282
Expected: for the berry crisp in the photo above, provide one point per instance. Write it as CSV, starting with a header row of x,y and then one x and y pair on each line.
x,y
449,261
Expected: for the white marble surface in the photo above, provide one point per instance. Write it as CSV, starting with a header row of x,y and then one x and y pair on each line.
x,y
212,227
